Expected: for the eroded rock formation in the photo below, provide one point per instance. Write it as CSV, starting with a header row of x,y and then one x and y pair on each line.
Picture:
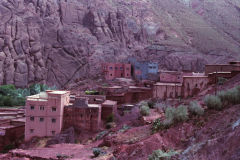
x,y
58,41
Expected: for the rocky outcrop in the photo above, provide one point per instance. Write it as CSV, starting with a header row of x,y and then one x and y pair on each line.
x,y
58,41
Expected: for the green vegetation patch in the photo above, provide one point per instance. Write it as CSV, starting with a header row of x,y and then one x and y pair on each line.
x,y
161,155
10,96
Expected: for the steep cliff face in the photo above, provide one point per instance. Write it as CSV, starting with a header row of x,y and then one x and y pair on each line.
x,y
58,41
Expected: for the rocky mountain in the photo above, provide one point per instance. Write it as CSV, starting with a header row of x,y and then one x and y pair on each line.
x,y
59,41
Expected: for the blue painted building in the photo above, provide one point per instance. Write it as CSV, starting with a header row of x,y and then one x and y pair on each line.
x,y
144,70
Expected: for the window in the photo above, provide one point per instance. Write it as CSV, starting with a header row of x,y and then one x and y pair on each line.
x,y
32,107
127,68
41,119
121,75
110,68
41,108
53,120
31,130
116,68
31,118
110,74
54,109
53,132
121,68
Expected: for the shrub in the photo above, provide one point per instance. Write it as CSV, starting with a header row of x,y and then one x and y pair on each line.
x,y
144,110
7,90
7,101
151,104
160,125
161,155
181,113
143,103
101,135
233,96
195,108
170,113
96,152
91,92
213,102
221,80
8,147
62,156
110,118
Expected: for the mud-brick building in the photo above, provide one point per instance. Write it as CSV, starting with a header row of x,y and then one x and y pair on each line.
x,y
144,70
167,90
192,85
109,108
171,77
116,70
82,116
214,76
230,67
44,113
95,99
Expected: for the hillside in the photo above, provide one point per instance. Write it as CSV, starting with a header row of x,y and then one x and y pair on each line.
x,y
59,41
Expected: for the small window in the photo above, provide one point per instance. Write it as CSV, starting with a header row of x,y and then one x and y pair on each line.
x,y
53,132
121,75
128,69
127,74
41,119
41,108
116,68
54,109
31,118
110,74
53,120
32,107
31,130
121,68
110,68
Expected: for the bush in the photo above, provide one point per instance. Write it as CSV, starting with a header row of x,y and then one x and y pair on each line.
x,y
110,118
7,90
62,156
231,96
195,108
96,152
213,102
160,125
221,80
144,110
91,92
151,104
170,113
181,113
8,147
161,155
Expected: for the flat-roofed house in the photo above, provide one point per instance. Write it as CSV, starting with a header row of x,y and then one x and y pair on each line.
x,y
116,70
82,116
109,108
167,90
192,85
44,113
144,70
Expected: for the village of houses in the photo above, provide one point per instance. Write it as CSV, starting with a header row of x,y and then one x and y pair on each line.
x,y
49,113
